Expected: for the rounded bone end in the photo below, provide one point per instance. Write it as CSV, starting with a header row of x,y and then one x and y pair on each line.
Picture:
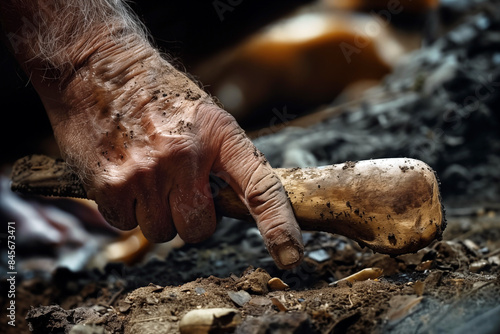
x,y
420,216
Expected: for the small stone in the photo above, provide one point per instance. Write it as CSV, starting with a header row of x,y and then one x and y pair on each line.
x,y
471,246
199,291
319,255
484,250
279,305
478,265
275,284
239,297
260,301
124,307
434,279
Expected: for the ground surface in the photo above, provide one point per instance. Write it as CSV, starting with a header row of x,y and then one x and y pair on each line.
x,y
447,287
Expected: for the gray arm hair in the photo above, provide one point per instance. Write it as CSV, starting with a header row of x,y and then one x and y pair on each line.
x,y
50,32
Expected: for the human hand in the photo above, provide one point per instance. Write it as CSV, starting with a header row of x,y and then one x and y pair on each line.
x,y
147,155
142,136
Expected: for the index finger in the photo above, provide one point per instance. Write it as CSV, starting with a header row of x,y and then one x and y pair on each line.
x,y
256,184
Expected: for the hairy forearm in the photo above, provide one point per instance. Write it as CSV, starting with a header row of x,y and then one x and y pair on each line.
x,y
56,37
93,68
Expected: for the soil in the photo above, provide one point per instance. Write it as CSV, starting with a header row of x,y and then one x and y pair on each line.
x,y
447,287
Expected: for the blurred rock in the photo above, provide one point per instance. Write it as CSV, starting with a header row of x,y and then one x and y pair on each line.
x,y
302,61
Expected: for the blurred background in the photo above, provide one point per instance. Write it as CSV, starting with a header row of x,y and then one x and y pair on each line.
x,y
252,55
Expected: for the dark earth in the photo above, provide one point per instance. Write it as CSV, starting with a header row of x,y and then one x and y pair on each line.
x,y
428,108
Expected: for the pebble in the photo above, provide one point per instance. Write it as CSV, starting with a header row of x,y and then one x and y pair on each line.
x,y
239,297
204,321
151,300
260,301
319,255
275,284
124,307
478,265
279,304
471,246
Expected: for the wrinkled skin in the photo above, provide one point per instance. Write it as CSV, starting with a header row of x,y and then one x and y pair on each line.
x,y
144,139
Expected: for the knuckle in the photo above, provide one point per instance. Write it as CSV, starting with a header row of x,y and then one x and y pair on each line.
x,y
218,123
264,192
275,229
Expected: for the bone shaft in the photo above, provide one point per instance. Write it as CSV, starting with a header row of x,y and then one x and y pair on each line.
x,y
390,205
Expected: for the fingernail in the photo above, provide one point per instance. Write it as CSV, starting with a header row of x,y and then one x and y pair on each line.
x,y
288,255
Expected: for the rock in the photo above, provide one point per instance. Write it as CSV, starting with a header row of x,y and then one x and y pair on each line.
x,y
239,297
260,301
494,260
212,320
478,265
124,307
319,255
471,246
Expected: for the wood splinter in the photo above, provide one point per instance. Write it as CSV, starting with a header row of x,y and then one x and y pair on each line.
x,y
392,206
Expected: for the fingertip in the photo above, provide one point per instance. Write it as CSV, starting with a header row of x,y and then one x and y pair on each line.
x,y
155,222
120,216
288,254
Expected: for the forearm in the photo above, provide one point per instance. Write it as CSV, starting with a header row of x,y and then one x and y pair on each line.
x,y
99,66
56,37
75,51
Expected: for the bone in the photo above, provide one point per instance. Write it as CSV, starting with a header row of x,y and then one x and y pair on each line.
x,y
392,206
